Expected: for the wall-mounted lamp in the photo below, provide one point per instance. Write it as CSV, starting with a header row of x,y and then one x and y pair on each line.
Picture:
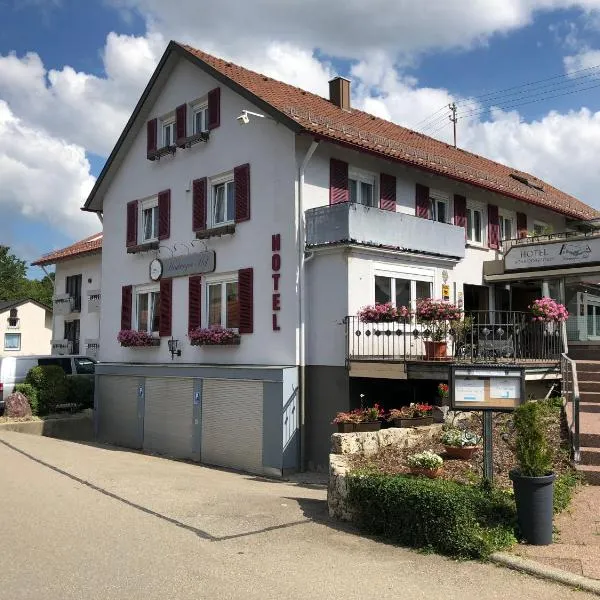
x,y
244,118
174,348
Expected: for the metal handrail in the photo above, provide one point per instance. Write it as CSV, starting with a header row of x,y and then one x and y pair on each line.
x,y
570,384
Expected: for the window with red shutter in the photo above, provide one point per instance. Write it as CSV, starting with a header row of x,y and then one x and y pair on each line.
x,y
338,181
151,138
132,221
181,125
241,178
199,204
214,108
166,292
126,306
521,225
460,212
493,227
194,302
387,191
422,201
246,300
164,215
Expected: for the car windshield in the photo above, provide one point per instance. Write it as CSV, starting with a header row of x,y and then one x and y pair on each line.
x,y
84,366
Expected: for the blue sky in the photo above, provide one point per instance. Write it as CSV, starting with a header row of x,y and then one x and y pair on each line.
x,y
395,73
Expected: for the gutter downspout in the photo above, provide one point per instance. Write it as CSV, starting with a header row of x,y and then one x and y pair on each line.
x,y
301,237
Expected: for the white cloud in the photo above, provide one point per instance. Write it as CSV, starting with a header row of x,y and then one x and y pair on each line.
x,y
585,59
43,178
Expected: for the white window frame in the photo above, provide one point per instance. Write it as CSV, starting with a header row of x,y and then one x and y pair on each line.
x,y
435,199
507,215
424,275
196,107
222,280
168,122
471,241
147,204
363,176
12,349
138,291
226,179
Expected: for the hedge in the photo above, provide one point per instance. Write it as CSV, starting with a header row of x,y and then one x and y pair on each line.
x,y
447,517
50,383
31,393
81,391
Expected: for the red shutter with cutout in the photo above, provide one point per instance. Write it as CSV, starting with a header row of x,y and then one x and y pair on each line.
x,y
422,201
241,177
151,138
126,306
132,220
521,225
199,204
460,212
181,124
338,181
164,215
214,108
166,294
246,300
493,227
194,302
387,192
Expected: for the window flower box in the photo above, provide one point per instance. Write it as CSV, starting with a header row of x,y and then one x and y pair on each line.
x,y
383,313
130,338
214,336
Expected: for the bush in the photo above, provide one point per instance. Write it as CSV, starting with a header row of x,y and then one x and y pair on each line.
x,y
50,383
443,516
533,453
81,391
30,392
564,487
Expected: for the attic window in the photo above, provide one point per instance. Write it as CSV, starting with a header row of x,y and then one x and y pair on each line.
x,y
526,182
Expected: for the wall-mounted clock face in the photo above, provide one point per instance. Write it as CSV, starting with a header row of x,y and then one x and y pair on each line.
x,y
156,269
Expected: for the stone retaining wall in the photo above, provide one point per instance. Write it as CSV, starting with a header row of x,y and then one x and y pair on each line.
x,y
78,427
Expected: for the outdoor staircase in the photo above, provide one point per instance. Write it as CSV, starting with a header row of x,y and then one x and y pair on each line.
x,y
588,374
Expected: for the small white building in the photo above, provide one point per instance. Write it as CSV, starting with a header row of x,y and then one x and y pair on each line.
x,y
25,327
233,199
76,301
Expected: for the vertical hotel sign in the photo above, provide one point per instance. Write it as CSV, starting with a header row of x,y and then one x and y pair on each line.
x,y
276,275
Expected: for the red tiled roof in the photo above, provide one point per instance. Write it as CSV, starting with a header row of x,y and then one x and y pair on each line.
x,y
362,131
90,245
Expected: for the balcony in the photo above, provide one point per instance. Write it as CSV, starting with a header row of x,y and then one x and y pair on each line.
x,y
93,297
13,324
350,223
60,347
92,345
65,304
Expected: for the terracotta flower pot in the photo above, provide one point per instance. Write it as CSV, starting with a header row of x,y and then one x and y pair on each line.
x,y
368,426
435,350
462,452
346,427
415,422
431,473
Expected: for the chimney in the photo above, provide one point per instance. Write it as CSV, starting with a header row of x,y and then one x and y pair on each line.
x,y
339,92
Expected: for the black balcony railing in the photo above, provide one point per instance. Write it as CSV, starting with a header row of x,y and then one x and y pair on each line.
x,y
481,337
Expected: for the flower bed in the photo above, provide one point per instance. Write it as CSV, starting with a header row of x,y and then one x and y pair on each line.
x,y
214,336
130,338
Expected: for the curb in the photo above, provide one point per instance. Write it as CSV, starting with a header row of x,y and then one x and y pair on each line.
x,y
537,569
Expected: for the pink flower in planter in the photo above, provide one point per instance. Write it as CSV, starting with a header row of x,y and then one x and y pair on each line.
x,y
130,338
215,335
548,310
383,313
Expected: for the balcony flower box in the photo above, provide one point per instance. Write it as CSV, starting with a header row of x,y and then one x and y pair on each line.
x,y
130,338
214,336
383,313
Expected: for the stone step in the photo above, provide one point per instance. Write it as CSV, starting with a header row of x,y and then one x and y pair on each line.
x,y
589,385
591,397
588,366
591,473
590,456
589,408
592,376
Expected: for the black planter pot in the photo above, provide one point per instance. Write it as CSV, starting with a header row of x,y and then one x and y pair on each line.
x,y
533,497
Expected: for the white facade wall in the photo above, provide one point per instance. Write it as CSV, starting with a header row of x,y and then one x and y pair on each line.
x,y
34,326
269,149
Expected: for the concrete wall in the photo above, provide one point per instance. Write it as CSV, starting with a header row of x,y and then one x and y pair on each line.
x,y
269,148
34,326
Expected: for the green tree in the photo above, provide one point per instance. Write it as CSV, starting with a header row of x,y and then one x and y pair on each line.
x,y
14,284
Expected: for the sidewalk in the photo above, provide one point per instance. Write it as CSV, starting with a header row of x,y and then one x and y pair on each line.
x,y
577,546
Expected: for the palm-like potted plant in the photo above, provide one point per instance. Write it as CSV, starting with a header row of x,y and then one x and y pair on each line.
x,y
414,415
459,443
533,478
426,463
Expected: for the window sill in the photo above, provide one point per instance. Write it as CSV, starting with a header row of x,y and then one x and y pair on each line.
x,y
477,246
216,231
152,344
235,342
164,151
145,247
192,140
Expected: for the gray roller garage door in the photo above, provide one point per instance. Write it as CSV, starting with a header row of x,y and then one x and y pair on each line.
x,y
119,416
168,416
232,416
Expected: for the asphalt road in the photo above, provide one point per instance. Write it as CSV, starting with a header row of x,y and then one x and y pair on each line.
x,y
86,522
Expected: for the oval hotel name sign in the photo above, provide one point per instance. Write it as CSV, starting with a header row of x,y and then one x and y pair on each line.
x,y
565,253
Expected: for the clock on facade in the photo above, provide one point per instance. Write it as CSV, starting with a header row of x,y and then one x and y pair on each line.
x,y
156,269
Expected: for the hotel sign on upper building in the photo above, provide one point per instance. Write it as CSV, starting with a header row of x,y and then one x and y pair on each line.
x,y
564,253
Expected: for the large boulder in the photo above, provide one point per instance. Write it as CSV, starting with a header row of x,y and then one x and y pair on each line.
x,y
17,406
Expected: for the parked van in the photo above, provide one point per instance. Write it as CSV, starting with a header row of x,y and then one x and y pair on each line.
x,y
14,369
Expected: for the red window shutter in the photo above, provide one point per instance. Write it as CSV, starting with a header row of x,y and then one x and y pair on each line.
x,y
166,293
493,227
521,225
151,138
199,204
387,192
126,306
132,221
241,177
422,201
460,212
338,181
246,300
194,302
181,124
214,108
164,215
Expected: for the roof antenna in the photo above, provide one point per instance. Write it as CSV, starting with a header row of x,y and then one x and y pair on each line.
x,y
453,118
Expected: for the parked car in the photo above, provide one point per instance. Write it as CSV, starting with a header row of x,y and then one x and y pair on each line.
x,y
14,369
